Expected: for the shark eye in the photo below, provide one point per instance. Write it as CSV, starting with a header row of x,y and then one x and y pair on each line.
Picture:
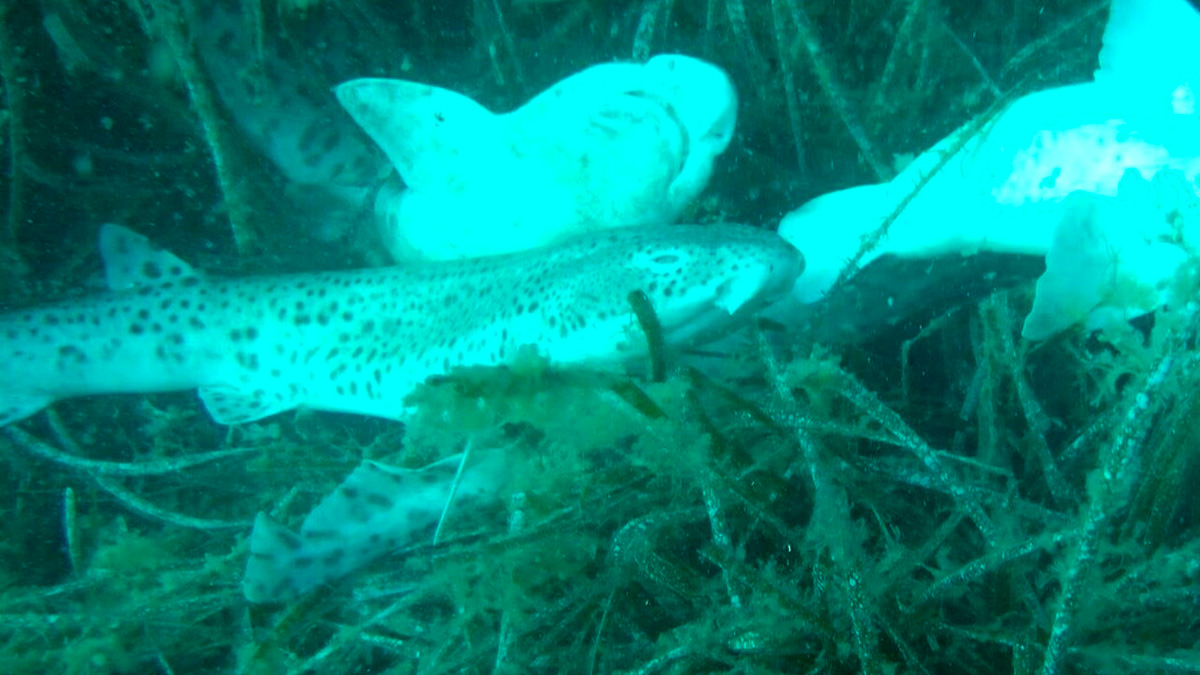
x,y
668,259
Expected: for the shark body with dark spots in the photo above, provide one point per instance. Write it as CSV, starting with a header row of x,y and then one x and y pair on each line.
x,y
276,92
359,341
378,509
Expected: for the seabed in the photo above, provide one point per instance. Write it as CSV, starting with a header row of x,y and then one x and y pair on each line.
x,y
937,496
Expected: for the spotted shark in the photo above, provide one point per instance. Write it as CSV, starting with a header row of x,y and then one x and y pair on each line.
x,y
1002,185
359,341
440,175
617,144
377,509
275,93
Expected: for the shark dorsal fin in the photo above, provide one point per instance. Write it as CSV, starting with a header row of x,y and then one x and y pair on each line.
x,y
1151,46
132,261
431,135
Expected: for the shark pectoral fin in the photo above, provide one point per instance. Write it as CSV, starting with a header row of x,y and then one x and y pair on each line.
x,y
431,135
15,407
131,261
1079,269
239,405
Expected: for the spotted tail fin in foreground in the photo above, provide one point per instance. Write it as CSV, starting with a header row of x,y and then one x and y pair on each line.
x,y
376,510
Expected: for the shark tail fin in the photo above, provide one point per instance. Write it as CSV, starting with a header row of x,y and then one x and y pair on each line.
x,y
376,510
270,570
1151,46
429,134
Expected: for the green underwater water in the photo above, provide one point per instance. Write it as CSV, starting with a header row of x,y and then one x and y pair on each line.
x,y
936,496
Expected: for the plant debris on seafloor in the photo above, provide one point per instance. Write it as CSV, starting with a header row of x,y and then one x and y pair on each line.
x,y
942,500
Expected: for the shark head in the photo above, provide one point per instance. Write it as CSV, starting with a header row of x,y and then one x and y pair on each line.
x,y
703,281
701,97
700,94
831,229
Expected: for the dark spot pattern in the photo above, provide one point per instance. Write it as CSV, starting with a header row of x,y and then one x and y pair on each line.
x,y
361,340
